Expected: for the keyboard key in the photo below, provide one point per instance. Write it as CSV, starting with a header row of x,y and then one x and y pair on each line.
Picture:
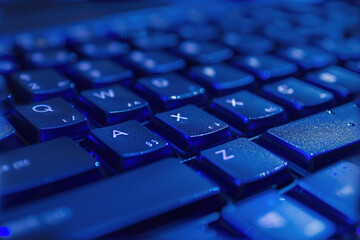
x,y
170,90
248,44
221,78
315,140
299,97
103,49
243,167
266,67
98,73
28,173
154,61
204,53
6,49
7,134
333,191
49,119
156,41
198,32
343,49
114,104
247,111
338,80
8,66
285,35
50,58
307,57
38,42
128,145
83,33
270,216
41,84
162,184
199,229
353,66
6,99
190,128
127,33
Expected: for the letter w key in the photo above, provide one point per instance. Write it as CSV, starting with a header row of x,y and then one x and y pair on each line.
x,y
224,156
104,94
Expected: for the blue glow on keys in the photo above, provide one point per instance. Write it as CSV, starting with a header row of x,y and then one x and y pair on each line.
x,y
4,232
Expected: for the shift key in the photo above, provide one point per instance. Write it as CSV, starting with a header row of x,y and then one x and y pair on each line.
x,y
165,188
315,141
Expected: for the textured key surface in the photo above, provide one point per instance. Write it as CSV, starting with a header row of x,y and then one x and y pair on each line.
x,y
49,119
334,191
221,78
191,128
50,58
270,216
41,84
103,49
114,104
28,173
166,185
313,139
243,167
168,91
299,97
127,145
247,111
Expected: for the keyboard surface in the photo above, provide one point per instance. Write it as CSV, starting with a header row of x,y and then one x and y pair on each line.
x,y
239,120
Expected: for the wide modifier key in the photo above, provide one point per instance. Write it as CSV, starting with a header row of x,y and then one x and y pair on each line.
x,y
316,140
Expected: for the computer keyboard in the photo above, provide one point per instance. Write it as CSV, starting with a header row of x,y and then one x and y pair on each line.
x,y
210,120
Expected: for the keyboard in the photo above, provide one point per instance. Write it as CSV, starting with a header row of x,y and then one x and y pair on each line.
x,y
210,120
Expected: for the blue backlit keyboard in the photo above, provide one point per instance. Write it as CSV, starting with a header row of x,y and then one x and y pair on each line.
x,y
224,120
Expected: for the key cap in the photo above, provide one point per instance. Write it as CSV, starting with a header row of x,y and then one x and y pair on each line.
x,y
248,44
353,66
6,99
343,49
238,24
154,61
198,229
6,49
50,58
243,167
203,53
342,82
247,111
42,41
314,141
114,104
49,119
221,79
65,213
333,191
98,73
82,33
307,57
270,216
170,90
266,67
8,66
299,97
128,145
28,173
103,49
126,32
198,32
7,134
285,35
41,84
190,128
156,41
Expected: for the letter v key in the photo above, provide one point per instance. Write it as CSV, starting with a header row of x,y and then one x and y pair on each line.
x,y
224,157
